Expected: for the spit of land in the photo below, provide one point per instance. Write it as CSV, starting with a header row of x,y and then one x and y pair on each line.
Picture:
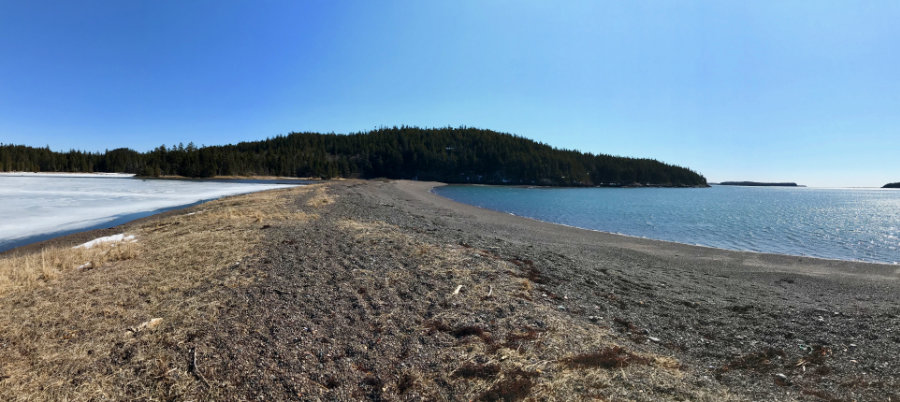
x,y
381,290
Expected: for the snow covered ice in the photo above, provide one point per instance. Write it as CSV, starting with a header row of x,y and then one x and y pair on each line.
x,y
34,207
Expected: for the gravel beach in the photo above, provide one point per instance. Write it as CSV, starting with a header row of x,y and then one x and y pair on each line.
x,y
386,291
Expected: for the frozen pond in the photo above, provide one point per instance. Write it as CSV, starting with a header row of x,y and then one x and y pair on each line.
x,y
35,207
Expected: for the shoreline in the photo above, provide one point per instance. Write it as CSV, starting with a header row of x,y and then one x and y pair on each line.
x,y
824,259
368,290
42,240
113,221
112,226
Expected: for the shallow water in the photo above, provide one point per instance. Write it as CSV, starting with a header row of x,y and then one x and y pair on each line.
x,y
845,224
38,207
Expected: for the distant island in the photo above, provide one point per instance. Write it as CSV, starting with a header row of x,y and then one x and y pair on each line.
x,y
756,183
451,155
892,185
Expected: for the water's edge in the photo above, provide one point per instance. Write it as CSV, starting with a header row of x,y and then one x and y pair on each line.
x,y
117,218
437,192
113,222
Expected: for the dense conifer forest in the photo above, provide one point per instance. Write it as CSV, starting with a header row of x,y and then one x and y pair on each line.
x,y
892,185
453,155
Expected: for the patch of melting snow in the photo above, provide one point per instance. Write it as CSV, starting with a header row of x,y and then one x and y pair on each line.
x,y
108,239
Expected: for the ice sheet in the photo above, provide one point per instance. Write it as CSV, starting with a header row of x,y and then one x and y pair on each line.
x,y
34,205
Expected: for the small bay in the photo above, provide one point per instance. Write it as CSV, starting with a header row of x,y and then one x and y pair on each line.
x,y
843,224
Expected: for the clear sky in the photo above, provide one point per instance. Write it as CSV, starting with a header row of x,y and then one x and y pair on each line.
x,y
805,91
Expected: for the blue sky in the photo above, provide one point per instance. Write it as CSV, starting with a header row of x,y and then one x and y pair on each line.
x,y
805,91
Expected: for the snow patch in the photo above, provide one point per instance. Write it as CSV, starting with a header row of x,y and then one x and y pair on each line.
x,y
108,239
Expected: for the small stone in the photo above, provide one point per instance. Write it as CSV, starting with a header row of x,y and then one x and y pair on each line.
x,y
152,324
782,380
653,339
561,307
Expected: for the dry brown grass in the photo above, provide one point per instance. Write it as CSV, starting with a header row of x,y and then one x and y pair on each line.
x,y
78,334
319,198
37,269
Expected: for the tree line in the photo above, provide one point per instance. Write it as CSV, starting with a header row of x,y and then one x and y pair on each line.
x,y
452,155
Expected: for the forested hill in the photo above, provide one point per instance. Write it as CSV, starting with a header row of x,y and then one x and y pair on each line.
x,y
453,155
892,185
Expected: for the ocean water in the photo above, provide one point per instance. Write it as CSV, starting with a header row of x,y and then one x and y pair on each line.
x,y
38,207
844,224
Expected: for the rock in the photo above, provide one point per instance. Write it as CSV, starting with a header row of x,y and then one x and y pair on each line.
x,y
151,324
561,307
782,380
653,339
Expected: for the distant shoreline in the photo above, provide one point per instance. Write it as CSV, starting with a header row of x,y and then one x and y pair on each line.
x,y
759,184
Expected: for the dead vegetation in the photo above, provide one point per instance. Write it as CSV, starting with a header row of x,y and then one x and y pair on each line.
x,y
763,361
608,358
319,198
24,272
476,370
122,326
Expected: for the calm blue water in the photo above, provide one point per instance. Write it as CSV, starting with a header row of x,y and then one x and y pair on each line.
x,y
845,224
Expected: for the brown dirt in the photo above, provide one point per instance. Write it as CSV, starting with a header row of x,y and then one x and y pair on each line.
x,y
348,291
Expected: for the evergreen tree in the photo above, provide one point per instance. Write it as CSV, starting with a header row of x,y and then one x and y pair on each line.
x,y
453,155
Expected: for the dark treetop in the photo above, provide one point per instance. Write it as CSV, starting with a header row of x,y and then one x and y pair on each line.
x,y
452,155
